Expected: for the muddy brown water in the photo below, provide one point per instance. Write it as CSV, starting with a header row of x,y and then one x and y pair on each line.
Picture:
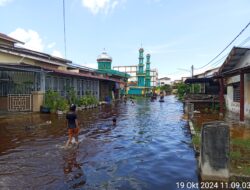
x,y
149,148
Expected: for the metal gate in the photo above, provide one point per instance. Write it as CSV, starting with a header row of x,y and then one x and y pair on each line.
x,y
19,102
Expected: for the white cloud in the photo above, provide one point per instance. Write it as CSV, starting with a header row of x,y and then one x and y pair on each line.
x,y
96,6
91,65
51,45
31,39
57,53
4,2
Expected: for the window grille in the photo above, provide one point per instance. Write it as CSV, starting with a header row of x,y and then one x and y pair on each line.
x,y
236,92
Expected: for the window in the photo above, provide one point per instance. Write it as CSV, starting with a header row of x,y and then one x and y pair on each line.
x,y
55,83
236,92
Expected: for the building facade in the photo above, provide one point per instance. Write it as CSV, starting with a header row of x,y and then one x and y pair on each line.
x,y
142,77
109,90
234,77
26,75
163,81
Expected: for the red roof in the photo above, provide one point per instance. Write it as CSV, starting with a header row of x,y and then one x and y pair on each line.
x,y
82,74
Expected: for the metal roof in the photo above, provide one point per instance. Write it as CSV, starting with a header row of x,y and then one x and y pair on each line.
x,y
104,56
198,80
229,65
33,54
7,38
31,68
114,72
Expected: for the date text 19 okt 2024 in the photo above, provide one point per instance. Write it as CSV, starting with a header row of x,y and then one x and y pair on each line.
x,y
212,185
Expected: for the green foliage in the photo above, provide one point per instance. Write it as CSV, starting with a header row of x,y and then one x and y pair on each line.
x,y
72,96
197,88
235,155
83,101
62,104
167,88
245,143
246,170
196,140
55,102
88,100
51,98
182,89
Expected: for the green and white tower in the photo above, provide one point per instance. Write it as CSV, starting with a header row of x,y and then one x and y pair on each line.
x,y
141,74
148,78
104,61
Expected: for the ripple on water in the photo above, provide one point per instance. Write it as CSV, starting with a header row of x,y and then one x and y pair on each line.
x,y
148,149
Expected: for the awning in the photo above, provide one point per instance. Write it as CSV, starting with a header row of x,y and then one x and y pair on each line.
x,y
198,80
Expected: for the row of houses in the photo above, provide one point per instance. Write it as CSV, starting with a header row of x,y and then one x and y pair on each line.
x,y
26,75
230,83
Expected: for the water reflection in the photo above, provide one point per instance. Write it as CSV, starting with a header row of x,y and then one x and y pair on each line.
x,y
149,148
74,175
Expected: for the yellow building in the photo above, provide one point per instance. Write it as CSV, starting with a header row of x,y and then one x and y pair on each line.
x,y
26,75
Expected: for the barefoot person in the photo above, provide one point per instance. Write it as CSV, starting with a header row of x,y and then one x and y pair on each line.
x,y
72,123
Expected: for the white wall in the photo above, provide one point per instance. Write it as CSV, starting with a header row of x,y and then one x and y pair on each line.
x,y
235,106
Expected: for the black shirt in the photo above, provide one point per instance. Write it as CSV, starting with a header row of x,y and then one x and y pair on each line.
x,y
71,117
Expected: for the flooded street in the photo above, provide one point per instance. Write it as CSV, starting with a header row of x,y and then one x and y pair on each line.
x,y
149,148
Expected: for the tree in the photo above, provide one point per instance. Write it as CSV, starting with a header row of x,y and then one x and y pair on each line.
x,y
182,89
167,88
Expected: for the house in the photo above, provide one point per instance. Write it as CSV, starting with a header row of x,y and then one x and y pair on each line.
x,y
234,74
207,82
26,75
163,81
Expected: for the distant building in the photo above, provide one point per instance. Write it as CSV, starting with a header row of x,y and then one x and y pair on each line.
x,y
132,70
154,77
163,81
104,67
141,81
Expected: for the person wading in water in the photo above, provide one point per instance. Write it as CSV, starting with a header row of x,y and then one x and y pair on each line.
x,y
73,125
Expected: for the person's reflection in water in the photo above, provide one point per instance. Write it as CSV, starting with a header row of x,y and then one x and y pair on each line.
x,y
74,176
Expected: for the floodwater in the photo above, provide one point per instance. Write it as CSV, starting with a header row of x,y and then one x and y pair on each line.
x,y
149,148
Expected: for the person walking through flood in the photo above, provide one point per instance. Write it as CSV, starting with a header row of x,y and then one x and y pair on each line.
x,y
114,121
73,125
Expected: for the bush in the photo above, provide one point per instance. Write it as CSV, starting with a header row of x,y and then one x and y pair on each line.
x,y
55,102
88,100
62,104
182,89
72,97
51,98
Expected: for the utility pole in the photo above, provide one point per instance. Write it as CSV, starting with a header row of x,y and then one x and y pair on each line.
x,y
192,71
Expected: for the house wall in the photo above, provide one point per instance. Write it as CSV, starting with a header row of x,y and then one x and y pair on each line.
x,y
3,104
8,58
163,82
235,106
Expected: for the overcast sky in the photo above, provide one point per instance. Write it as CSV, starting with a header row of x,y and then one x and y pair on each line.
x,y
177,33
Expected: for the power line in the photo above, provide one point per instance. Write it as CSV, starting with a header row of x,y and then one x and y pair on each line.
x,y
64,30
225,47
245,41
220,60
